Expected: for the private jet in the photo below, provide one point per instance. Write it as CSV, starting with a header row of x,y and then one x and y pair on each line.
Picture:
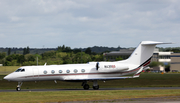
x,y
92,71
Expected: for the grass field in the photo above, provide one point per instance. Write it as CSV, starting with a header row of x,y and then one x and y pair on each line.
x,y
4,70
145,80
94,95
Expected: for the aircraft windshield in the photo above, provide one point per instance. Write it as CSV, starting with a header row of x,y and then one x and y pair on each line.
x,y
20,70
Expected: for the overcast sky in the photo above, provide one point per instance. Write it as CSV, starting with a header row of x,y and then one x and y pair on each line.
x,y
87,23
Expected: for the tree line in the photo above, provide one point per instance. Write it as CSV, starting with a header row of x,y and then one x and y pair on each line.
x,y
60,55
63,55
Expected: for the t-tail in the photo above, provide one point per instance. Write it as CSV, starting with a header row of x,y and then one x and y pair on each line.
x,y
142,55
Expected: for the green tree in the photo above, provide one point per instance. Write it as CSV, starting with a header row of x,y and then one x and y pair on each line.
x,y
49,54
11,60
26,50
29,57
2,55
7,63
64,49
82,57
9,51
76,50
88,51
12,57
21,59
67,60
78,57
98,57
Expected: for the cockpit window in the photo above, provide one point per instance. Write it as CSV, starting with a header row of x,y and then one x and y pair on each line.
x,y
20,70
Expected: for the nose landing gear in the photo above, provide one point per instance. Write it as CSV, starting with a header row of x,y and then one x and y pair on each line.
x,y
19,86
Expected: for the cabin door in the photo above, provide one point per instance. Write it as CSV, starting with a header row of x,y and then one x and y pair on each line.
x,y
35,74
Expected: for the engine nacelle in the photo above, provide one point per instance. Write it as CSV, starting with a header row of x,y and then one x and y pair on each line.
x,y
110,67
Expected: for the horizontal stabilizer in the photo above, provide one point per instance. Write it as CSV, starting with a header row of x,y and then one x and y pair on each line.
x,y
153,43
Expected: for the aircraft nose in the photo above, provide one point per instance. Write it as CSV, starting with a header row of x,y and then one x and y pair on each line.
x,y
7,77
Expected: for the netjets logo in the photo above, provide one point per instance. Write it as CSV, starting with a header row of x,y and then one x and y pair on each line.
x,y
109,66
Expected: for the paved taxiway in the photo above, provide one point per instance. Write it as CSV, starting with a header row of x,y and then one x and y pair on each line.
x,y
141,88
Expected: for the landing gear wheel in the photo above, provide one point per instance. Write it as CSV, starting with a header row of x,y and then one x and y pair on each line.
x,y
18,88
96,87
86,87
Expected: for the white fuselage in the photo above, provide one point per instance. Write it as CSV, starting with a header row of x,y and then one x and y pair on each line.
x,y
70,72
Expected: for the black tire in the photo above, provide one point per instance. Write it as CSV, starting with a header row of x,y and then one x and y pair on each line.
x,y
96,87
86,87
18,88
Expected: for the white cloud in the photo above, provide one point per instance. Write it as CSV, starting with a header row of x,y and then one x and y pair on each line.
x,y
87,23
15,19
2,35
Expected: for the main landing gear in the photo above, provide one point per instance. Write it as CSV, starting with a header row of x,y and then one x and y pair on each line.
x,y
86,86
19,86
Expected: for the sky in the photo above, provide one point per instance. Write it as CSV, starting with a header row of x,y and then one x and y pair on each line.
x,y
88,23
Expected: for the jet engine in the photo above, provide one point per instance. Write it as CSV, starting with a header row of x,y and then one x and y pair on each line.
x,y
110,67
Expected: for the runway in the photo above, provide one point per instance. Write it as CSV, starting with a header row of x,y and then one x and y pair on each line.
x,y
133,88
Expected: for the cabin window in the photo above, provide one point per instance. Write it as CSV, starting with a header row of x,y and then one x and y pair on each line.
x,y
83,70
45,72
75,70
60,71
52,71
67,71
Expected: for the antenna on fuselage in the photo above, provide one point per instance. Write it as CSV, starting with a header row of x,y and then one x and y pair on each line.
x,y
45,64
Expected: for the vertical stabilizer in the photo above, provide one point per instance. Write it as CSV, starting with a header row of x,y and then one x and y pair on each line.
x,y
143,52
